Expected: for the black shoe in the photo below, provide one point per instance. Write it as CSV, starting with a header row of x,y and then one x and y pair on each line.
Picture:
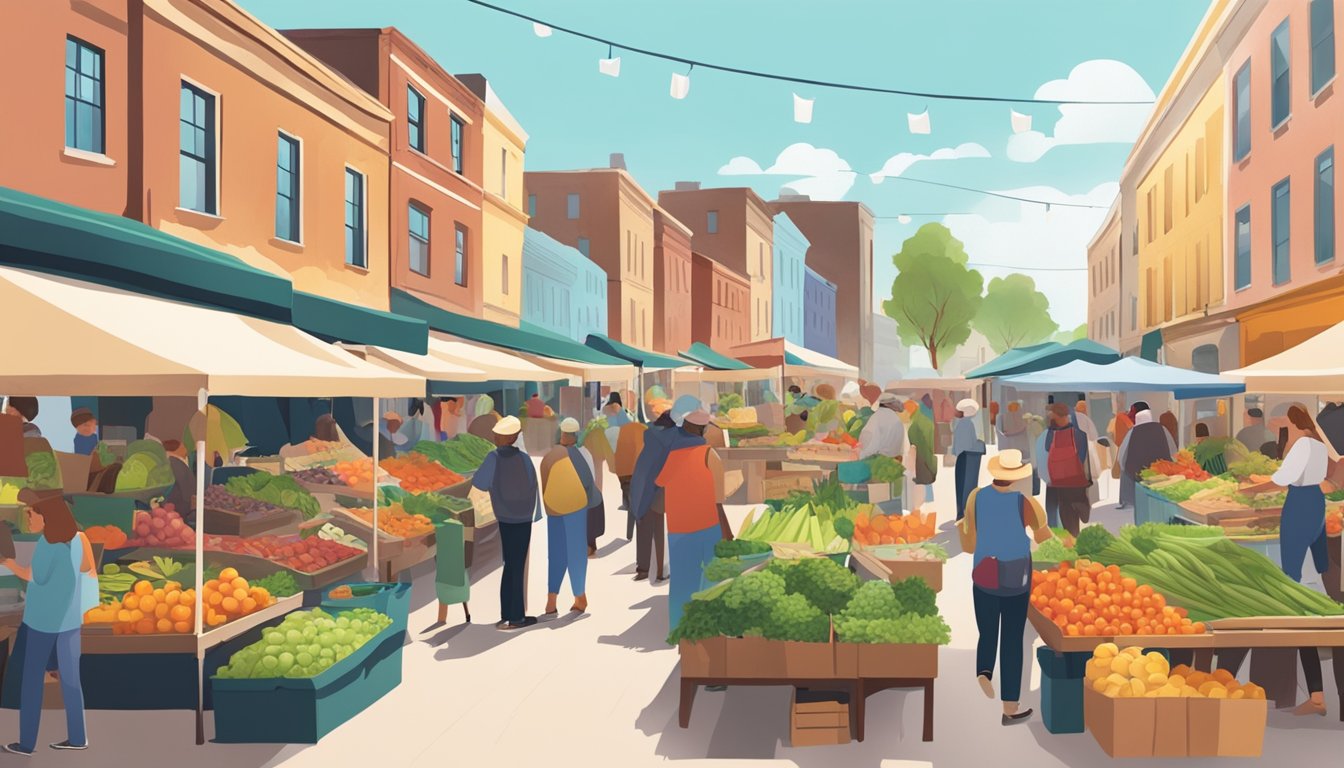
x,y
716,688
66,745
641,576
502,624
527,621
1017,717
15,749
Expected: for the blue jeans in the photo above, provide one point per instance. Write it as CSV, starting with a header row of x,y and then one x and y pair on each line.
x,y
688,554
1001,622
567,550
1303,530
38,647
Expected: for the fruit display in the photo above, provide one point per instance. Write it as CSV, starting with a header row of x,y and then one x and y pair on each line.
x,y
146,466
305,555
314,446
394,521
317,453
279,584
279,490
876,528
305,644
110,536
416,472
333,532
356,473
1090,600
220,498
161,526
230,596
144,610
317,476
462,454
1130,673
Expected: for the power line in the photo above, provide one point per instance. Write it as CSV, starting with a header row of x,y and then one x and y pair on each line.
x,y
789,78
1047,203
1019,268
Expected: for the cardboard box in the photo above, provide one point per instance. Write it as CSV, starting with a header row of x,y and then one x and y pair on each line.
x,y
818,718
1227,727
752,657
1122,727
808,660
892,660
705,658
1171,728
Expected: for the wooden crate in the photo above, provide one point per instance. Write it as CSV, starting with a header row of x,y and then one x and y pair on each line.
x,y
818,718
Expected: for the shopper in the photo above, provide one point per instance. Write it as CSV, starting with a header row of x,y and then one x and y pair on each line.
x,y
884,434
994,529
568,491
1066,470
1012,428
1173,427
86,430
1123,422
922,455
508,476
615,411
61,580
646,497
692,484
25,408
1255,433
967,448
1144,444
629,444
485,418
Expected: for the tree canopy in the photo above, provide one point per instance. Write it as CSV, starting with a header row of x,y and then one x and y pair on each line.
x,y
1014,313
1066,336
935,296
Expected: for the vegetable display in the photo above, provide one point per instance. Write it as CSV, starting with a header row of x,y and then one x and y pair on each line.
x,y
1131,673
1089,599
739,547
1092,541
904,612
729,401
1182,464
1053,550
462,454
816,519
44,474
146,466
924,552
278,584
885,469
305,644
416,472
280,490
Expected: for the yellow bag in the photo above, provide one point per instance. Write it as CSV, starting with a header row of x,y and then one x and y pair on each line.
x,y
564,492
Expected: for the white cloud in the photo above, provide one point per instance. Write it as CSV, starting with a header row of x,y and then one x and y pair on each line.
x,y
1095,80
820,173
898,164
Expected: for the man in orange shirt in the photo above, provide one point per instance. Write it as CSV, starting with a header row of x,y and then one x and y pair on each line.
x,y
692,483
629,442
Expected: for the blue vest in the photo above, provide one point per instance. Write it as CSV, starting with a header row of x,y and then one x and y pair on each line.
x,y
999,529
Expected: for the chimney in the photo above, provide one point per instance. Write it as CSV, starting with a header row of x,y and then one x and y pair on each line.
x,y
617,160
687,186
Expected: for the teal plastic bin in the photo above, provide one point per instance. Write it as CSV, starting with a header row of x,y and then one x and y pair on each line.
x,y
303,710
1062,689
392,599
854,472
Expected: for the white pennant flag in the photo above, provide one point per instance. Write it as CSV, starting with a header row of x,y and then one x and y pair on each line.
x,y
610,67
1021,122
681,85
541,30
903,219
802,109
918,123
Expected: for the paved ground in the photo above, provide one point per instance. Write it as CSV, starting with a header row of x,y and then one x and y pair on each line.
x,y
601,690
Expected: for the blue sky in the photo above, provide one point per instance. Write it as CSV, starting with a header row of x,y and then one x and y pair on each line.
x,y
576,116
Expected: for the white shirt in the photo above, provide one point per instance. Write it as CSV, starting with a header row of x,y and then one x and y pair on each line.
x,y
884,434
1305,464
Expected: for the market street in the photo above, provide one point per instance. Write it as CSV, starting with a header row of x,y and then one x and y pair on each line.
x,y
602,690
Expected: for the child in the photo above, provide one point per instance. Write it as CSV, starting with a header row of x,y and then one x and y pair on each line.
x,y
86,431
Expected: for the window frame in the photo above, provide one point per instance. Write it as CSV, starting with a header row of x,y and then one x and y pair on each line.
x,y
461,254
413,208
711,222
1241,118
1238,273
532,206
295,197
1327,156
211,161
362,226
1282,189
573,206
584,246
73,101
417,137
1287,74
458,142
1325,43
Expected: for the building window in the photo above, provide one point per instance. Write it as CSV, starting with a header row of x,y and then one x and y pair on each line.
x,y
415,119
83,96
287,188
1280,77
572,205
1241,98
712,222
196,156
354,219
585,247
504,274
1280,228
1167,177
1242,234
1325,206
1152,214
503,172
418,225
531,205
1201,171
460,257
1322,43
457,143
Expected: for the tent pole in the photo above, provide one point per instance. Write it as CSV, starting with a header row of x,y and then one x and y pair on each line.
x,y
373,545
202,401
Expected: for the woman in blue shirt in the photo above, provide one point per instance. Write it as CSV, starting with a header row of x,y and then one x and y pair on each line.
x,y
51,618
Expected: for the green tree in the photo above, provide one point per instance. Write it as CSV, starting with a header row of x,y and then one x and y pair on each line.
x,y
1014,313
1067,336
934,296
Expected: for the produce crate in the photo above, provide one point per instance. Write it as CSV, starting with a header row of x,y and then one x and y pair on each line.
x,y
1122,727
899,570
748,657
885,660
1226,727
704,658
818,718
808,660
1171,728
98,509
391,599
778,484
1062,689
225,522
303,710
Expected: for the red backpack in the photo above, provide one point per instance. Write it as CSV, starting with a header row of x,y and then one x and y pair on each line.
x,y
1066,469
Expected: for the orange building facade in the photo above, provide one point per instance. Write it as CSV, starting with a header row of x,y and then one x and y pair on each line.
x,y
671,284
721,315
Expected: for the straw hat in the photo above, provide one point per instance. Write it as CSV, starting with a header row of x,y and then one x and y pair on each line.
x,y
1008,466
968,407
509,425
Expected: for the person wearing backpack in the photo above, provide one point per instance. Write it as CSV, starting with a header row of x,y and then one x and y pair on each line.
x,y
508,476
567,489
1065,469
994,530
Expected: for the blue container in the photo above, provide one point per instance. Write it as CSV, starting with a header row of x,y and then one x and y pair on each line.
x,y
854,472
1062,689
392,599
303,710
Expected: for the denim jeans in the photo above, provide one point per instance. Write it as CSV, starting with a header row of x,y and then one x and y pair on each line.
x,y
689,554
1001,622
567,550
38,648
514,539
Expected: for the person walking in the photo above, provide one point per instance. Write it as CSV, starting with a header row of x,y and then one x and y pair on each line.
x,y
1065,469
1123,422
884,434
1146,442
692,484
1173,427
629,444
1083,419
967,448
922,455
1012,428
994,530
508,476
62,584
568,491
646,497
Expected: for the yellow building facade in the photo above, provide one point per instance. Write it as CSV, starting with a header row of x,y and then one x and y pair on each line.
x,y
1180,206
505,214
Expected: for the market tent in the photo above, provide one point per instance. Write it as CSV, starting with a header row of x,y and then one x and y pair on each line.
x,y
1314,367
702,354
1129,374
496,363
642,358
933,384
338,321
73,338
803,356
433,368
1040,357
619,372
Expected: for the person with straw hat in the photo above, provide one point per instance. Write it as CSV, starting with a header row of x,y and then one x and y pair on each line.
x,y
508,476
994,531
967,448
567,489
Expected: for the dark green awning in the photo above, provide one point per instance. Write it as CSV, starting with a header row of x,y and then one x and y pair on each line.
x,y
338,321
704,355
533,342
1151,345
49,236
639,357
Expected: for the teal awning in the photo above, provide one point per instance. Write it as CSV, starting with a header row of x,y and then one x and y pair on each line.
x,y
350,323
1041,357
792,359
1151,345
639,357
49,236
533,342
704,355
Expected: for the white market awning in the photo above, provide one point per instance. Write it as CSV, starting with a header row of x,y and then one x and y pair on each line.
x,y
1314,367
497,364
431,366
824,363
73,338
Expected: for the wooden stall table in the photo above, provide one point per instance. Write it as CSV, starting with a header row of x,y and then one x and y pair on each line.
x,y
752,463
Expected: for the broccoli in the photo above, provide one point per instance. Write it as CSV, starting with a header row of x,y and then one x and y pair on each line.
x,y
699,620
825,584
739,547
1092,541
748,601
844,528
722,569
873,600
916,630
794,618
915,596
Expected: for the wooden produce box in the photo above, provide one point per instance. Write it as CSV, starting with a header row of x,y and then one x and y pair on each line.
x,y
749,657
818,718
808,660
228,523
1122,727
899,570
704,658
1226,727
886,660
778,484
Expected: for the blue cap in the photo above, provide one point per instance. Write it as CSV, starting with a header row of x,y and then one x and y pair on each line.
x,y
684,405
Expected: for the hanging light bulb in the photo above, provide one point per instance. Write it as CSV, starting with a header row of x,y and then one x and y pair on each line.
x,y
681,84
610,66
540,30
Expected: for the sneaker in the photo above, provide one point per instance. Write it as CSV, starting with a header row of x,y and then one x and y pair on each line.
x,y
16,749
66,745
502,624
527,621
1017,717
